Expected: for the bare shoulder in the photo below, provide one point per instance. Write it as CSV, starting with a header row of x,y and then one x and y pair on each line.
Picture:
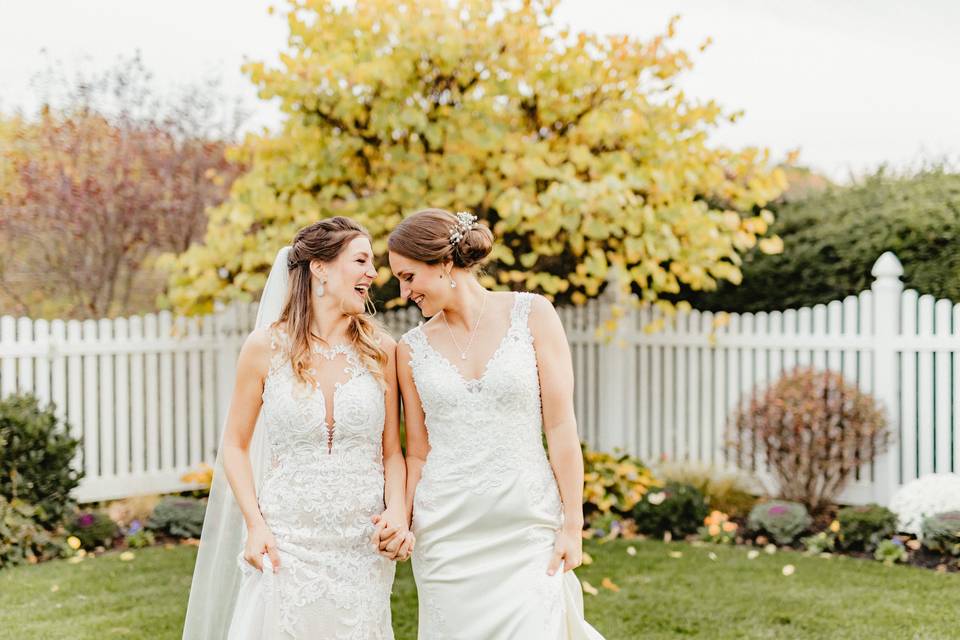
x,y
387,343
256,351
258,341
542,311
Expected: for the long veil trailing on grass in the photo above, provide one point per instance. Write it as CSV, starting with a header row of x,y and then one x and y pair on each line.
x,y
216,575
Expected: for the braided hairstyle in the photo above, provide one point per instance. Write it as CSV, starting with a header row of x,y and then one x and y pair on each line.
x,y
324,241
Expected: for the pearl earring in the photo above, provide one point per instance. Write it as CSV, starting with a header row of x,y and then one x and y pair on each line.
x,y
453,283
319,290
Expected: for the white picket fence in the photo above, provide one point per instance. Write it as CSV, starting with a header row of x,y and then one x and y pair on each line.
x,y
149,394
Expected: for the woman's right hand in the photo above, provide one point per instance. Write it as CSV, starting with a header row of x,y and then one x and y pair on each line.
x,y
260,541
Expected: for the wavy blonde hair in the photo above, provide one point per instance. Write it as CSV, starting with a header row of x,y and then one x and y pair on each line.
x,y
324,241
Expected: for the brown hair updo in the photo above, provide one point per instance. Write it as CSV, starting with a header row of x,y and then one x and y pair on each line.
x,y
425,237
324,241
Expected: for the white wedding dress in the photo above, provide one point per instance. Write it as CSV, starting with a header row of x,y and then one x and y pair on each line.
x,y
322,485
487,508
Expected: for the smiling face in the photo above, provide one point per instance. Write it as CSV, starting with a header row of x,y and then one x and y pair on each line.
x,y
421,283
347,278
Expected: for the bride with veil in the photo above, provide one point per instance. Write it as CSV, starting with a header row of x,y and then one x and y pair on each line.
x,y
310,456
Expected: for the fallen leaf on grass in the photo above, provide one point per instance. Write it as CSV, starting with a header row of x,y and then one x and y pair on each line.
x,y
676,554
770,549
75,559
631,551
712,555
588,588
607,583
753,554
54,588
191,542
587,559
127,556
788,569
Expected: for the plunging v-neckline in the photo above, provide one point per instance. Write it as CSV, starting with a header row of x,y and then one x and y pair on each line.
x,y
473,382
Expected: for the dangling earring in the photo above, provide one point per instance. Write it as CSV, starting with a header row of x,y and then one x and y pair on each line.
x,y
319,289
453,283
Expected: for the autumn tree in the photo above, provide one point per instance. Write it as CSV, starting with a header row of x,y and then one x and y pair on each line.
x,y
577,149
98,184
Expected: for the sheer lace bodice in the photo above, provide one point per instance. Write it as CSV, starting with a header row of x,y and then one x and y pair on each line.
x,y
324,483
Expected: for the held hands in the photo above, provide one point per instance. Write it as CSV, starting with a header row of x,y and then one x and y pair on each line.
x,y
261,541
567,548
393,538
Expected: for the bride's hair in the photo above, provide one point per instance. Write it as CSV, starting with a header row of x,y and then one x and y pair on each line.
x,y
324,241
426,237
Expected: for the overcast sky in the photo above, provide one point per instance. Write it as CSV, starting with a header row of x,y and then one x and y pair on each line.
x,y
851,83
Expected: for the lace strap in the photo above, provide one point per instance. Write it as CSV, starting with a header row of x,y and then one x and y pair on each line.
x,y
417,342
520,313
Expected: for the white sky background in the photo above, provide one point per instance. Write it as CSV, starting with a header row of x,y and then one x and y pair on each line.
x,y
851,83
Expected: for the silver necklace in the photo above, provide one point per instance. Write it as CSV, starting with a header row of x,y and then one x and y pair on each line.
x,y
463,352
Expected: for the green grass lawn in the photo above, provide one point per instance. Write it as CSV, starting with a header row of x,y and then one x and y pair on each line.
x,y
660,597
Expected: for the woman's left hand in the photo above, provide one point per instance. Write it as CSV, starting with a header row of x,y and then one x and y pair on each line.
x,y
567,548
392,535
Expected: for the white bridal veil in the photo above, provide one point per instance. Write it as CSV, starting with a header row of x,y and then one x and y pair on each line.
x,y
216,576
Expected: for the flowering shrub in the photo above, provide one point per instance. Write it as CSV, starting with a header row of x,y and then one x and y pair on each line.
x,y
93,529
933,493
718,528
138,537
614,483
941,533
203,475
782,520
677,508
891,551
813,429
864,527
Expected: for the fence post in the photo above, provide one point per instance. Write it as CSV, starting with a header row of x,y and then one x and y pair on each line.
x,y
225,326
887,289
614,387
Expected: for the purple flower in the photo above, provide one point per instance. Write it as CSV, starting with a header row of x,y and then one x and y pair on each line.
x,y
85,520
134,527
777,510
898,542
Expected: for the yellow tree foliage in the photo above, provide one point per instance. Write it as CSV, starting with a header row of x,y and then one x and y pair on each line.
x,y
577,149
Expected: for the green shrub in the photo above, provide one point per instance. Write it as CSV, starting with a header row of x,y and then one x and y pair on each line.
x,y
678,508
36,452
862,528
891,551
93,529
23,539
782,520
730,492
831,241
941,533
181,517
820,542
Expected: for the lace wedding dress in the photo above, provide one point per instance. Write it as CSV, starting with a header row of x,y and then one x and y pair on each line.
x,y
487,508
323,484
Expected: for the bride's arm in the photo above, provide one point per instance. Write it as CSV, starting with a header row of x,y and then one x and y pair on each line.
x,y
413,420
252,367
394,469
555,367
